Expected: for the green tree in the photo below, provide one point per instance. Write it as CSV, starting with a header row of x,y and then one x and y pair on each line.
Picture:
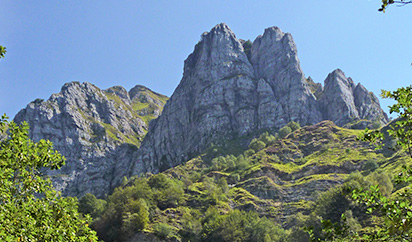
x,y
293,125
164,231
2,51
89,204
283,132
30,210
167,192
257,145
401,129
386,3
397,209
135,218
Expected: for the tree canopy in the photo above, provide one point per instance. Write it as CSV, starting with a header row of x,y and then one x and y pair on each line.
x,y
395,209
30,210
2,51
386,3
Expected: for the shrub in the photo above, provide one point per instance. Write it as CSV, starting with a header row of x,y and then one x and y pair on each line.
x,y
293,125
370,165
257,145
283,132
164,231
89,204
136,218
267,138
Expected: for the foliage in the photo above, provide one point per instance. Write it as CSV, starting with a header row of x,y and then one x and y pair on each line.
x,y
247,48
370,165
30,210
232,163
2,51
89,204
386,3
289,128
396,211
283,132
164,230
400,130
293,125
240,197
240,226
257,145
135,218
167,192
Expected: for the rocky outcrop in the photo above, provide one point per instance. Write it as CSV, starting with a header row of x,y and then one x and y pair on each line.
x,y
224,94
343,102
96,130
284,94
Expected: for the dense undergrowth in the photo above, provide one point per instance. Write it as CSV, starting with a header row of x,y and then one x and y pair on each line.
x,y
280,188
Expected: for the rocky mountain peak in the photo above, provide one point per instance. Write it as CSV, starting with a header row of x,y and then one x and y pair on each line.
x,y
219,54
222,95
274,33
272,51
96,130
119,91
338,78
343,102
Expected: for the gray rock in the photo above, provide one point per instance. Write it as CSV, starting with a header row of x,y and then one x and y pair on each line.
x,y
343,102
274,58
96,130
223,95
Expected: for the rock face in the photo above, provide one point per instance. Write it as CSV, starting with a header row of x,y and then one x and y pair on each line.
x,y
96,130
224,94
230,88
343,102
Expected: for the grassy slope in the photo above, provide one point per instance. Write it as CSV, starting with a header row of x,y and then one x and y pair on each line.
x,y
281,179
139,108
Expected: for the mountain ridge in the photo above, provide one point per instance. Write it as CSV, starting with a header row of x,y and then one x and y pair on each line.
x,y
224,95
114,133
96,130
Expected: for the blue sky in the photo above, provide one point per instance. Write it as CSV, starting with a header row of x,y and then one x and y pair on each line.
x,y
135,42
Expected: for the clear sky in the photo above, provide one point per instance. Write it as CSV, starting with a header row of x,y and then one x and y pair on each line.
x,y
134,42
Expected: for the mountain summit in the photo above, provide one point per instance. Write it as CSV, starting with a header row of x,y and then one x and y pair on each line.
x,y
224,95
97,131
230,88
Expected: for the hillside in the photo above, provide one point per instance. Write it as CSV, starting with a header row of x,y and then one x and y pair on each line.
x,y
282,182
228,91
231,90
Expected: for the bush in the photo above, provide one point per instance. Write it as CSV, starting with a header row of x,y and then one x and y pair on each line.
x,y
89,204
257,145
164,231
267,138
159,181
293,125
249,152
136,218
370,165
283,132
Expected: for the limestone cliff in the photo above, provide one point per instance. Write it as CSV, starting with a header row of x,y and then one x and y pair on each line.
x,y
343,102
96,130
224,94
